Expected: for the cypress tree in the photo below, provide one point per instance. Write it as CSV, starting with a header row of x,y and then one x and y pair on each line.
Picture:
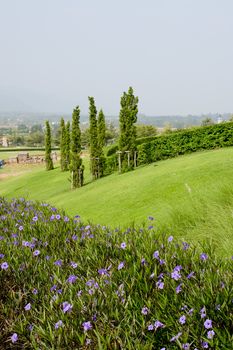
x,y
63,145
128,118
48,147
101,131
67,152
76,167
94,152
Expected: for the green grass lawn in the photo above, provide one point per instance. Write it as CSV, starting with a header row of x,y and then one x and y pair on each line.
x,y
191,196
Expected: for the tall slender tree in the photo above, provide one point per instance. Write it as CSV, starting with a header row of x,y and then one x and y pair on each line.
x,y
94,151
76,167
101,129
67,152
48,147
128,118
63,145
101,133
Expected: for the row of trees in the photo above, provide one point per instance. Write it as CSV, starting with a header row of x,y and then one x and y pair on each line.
x,y
70,140
70,145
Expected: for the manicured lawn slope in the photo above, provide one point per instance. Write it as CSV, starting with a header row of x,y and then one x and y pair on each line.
x,y
190,195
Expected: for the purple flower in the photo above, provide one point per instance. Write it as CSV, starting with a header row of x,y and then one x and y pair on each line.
x,y
170,239
14,337
58,262
210,334
158,324
204,345
185,245
27,307
175,275
4,266
2,256
143,261
87,326
53,288
145,310
160,284
203,256
35,218
121,265
30,327
123,245
80,292
66,307
182,319
190,312
72,279
208,324
175,337
36,253
178,268
20,228
203,312
150,327
178,288
35,291
156,254
73,264
190,275
150,227
58,324
150,218
186,346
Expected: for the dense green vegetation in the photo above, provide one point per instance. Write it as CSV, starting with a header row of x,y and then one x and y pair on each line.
x,y
191,194
153,148
186,141
66,285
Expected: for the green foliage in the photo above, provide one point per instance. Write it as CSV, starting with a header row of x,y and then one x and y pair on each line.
x,y
144,130
120,281
67,145
85,138
207,122
76,168
101,128
110,165
48,149
186,141
63,145
101,134
127,120
94,149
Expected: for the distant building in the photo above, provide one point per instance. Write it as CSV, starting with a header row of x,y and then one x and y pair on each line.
x,y
220,119
4,141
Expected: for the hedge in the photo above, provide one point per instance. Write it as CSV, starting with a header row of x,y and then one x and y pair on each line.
x,y
114,148
186,141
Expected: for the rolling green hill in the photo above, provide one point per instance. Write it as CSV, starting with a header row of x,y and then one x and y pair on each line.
x,y
191,196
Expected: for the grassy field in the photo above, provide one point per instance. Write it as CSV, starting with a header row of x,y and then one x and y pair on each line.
x,y
191,196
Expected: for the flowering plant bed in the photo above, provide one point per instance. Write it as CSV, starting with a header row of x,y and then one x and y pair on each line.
x,y
66,285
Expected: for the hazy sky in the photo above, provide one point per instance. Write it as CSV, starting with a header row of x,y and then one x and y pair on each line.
x,y
176,54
